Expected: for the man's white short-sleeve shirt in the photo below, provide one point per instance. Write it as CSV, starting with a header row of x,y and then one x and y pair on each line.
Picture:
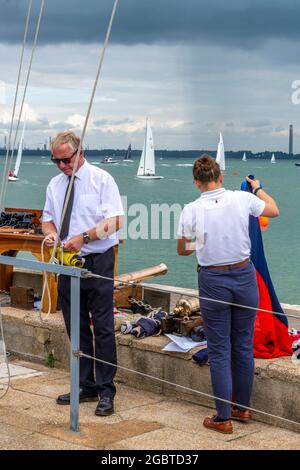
x,y
96,197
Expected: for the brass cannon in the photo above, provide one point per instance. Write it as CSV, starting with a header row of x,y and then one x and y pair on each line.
x,y
185,317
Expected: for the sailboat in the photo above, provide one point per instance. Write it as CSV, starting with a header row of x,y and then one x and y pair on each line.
x,y
146,168
127,157
273,159
220,158
244,159
13,175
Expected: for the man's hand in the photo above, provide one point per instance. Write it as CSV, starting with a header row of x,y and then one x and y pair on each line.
x,y
74,244
51,239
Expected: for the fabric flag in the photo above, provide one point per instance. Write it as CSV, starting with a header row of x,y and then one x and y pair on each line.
x,y
271,336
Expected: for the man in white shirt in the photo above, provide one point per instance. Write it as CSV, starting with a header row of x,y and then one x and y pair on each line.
x,y
219,223
93,217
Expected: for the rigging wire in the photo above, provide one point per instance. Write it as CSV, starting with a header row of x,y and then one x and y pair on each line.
x,y
4,186
143,374
85,124
174,291
24,93
107,36
4,176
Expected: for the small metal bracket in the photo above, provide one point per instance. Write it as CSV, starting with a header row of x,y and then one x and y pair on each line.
x,y
77,353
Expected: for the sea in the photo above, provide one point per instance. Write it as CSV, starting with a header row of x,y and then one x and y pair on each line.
x,y
149,243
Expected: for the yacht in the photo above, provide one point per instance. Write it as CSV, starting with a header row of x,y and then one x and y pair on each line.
x,y
109,160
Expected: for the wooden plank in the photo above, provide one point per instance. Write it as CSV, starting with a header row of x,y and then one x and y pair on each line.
x,y
122,293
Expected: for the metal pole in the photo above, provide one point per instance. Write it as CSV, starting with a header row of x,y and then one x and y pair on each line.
x,y
75,274
75,345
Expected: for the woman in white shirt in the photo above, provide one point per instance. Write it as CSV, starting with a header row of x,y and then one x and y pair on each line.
x,y
216,226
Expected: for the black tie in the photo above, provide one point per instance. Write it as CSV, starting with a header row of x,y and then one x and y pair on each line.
x,y
66,222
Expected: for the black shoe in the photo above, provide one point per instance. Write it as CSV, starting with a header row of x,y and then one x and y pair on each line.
x,y
84,395
105,407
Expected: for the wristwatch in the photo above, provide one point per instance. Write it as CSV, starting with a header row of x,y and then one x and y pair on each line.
x,y
86,238
256,190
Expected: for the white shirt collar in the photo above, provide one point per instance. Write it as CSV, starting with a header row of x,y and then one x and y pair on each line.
x,y
212,194
82,170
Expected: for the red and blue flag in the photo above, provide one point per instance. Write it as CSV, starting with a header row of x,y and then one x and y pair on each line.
x,y
271,336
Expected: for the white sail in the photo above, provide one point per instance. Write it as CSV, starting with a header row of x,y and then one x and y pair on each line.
x,y
244,159
221,154
20,150
147,162
273,159
127,157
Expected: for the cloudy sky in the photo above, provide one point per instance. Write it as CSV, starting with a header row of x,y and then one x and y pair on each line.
x,y
195,68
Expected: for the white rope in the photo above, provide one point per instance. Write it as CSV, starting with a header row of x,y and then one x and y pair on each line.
x,y
174,291
86,122
24,93
46,287
81,354
4,176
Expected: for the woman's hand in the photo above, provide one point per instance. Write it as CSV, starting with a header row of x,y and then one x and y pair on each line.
x,y
254,183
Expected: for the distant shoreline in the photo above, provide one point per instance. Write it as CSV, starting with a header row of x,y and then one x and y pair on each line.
x,y
192,154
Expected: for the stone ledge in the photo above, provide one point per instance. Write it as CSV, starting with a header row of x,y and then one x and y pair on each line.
x,y
276,384
153,344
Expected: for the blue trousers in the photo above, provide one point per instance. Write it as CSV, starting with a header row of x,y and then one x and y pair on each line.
x,y
96,298
229,332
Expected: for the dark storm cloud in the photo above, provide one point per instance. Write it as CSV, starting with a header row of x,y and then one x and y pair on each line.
x,y
242,23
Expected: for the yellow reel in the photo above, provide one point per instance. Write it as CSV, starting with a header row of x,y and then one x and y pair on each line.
x,y
68,258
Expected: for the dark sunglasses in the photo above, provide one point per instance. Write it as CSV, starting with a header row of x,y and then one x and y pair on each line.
x,y
66,161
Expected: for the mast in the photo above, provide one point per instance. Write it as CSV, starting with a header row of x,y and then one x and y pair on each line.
x,y
145,145
20,150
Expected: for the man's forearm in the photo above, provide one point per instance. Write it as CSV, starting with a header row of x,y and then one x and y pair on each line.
x,y
48,227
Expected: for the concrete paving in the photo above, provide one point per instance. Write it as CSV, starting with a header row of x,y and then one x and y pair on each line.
x,y
143,420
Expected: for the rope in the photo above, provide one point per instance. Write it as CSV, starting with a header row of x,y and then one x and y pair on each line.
x,y
46,287
4,177
86,121
143,374
132,284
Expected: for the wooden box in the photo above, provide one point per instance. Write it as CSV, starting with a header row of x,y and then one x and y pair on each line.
x,y
22,297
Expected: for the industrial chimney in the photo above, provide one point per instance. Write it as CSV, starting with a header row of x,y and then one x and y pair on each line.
x,y
291,140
